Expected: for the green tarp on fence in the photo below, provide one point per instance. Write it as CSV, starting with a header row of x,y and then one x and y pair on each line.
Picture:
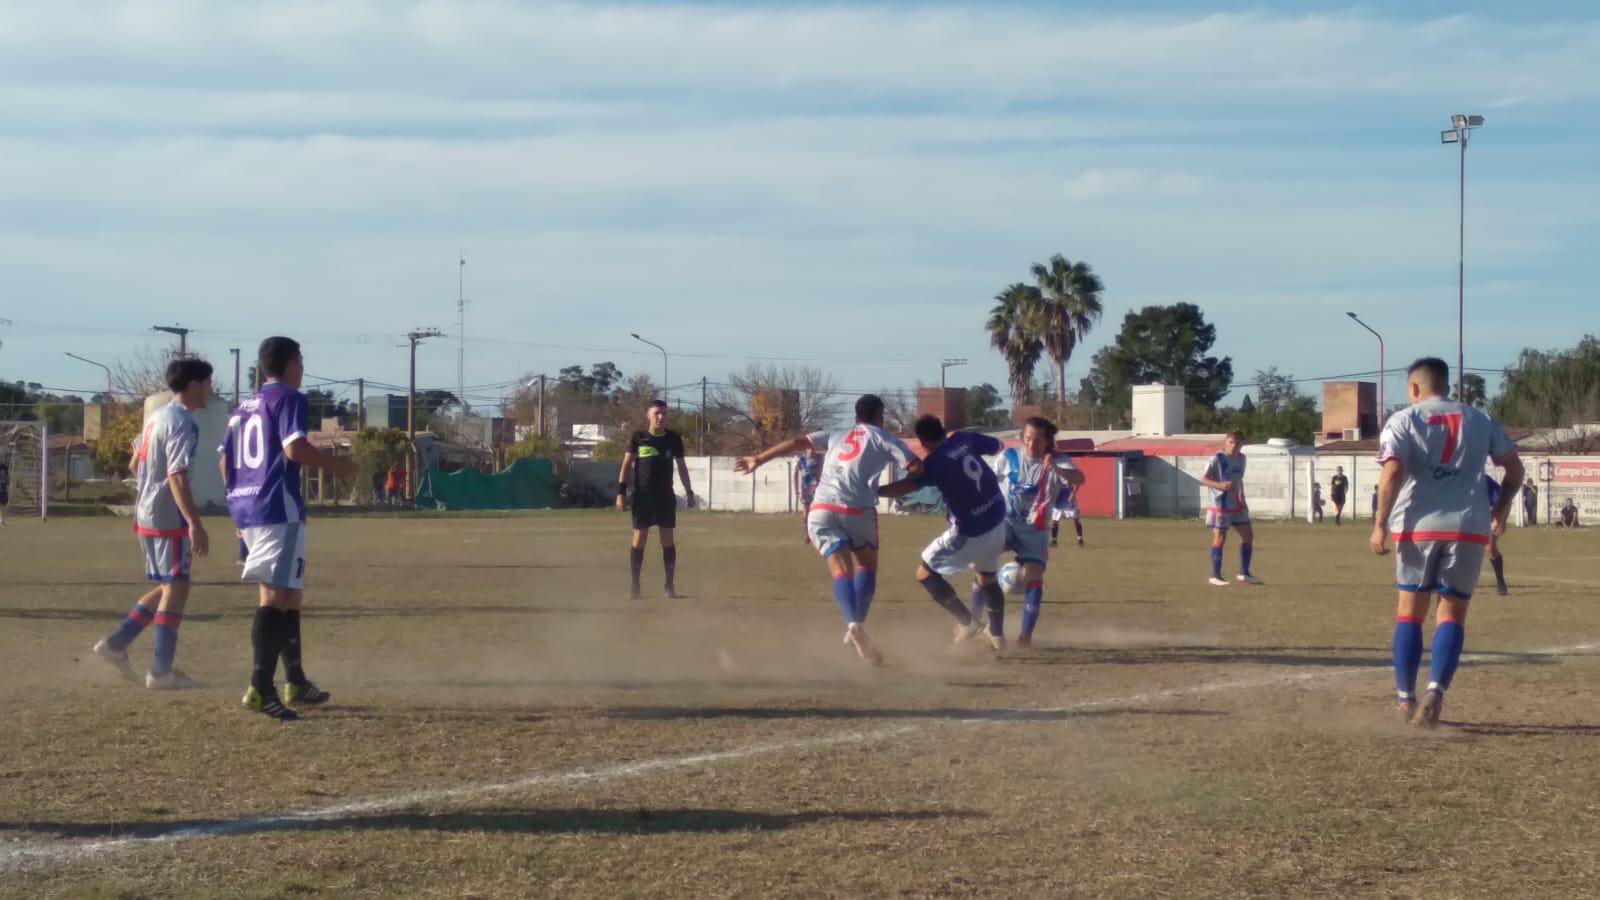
x,y
525,484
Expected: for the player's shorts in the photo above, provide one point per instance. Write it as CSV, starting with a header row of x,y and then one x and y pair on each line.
x,y
275,555
952,553
833,528
1030,544
654,511
166,559
1447,568
1223,519
1059,513
1338,499
807,499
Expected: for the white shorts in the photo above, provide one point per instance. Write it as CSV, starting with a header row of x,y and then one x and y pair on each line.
x,y
832,529
275,555
1223,519
166,559
952,553
1448,568
1059,513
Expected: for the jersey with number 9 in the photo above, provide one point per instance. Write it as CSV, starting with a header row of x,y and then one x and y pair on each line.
x,y
263,484
971,491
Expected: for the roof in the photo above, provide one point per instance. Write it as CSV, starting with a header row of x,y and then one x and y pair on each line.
x,y
59,441
1172,445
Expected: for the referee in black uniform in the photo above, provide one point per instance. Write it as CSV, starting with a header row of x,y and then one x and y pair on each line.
x,y
649,461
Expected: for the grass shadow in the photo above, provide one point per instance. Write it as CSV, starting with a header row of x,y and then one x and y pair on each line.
x,y
1506,729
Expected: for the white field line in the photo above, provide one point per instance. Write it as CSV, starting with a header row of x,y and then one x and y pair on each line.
x,y
1593,582
72,851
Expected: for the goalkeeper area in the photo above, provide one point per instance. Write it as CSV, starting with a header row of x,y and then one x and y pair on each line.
x,y
506,724
24,470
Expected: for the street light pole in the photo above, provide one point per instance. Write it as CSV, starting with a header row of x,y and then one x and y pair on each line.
x,y
237,375
663,361
945,365
93,363
181,332
1461,128
1382,372
415,338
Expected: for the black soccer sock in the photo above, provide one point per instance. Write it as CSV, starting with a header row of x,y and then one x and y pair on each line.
x,y
1055,529
292,670
669,559
945,595
1077,525
1499,563
996,600
265,639
636,560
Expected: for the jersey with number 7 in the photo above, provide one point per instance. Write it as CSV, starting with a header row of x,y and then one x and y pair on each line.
x,y
262,482
854,459
1443,447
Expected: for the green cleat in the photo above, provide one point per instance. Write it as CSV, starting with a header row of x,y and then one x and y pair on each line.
x,y
307,693
268,705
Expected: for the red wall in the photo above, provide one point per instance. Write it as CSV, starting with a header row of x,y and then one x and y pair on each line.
x,y
1098,496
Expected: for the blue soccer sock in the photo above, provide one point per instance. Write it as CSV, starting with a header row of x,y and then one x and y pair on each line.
x,y
1216,562
844,594
1407,654
945,595
166,642
131,627
1246,550
1031,601
866,588
1448,639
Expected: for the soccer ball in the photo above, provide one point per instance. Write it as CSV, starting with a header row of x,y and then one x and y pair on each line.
x,y
1011,578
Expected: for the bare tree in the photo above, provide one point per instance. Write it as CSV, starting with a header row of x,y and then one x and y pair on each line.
x,y
765,403
138,376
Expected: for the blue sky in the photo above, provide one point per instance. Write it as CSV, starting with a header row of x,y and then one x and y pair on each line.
x,y
847,183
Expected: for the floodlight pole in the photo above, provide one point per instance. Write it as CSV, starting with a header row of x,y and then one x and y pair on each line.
x,y
1382,371
945,364
237,375
181,332
414,337
1461,128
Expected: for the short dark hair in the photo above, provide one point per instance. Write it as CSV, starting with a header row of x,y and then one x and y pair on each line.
x,y
186,370
276,354
1438,372
929,430
1040,423
657,403
1236,434
869,408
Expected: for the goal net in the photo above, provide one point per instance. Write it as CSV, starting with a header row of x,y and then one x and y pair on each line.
x,y
24,470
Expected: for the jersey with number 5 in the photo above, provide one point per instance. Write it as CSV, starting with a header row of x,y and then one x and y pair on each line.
x,y
854,458
971,491
1443,447
263,484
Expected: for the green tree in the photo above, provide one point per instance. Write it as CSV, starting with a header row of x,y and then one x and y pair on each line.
x,y
1477,391
611,449
984,409
1069,305
1552,388
1014,329
535,447
114,450
1159,345
1274,389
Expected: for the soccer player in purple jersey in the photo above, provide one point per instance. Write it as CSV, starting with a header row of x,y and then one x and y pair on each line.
x,y
976,537
168,524
1432,496
262,453
843,521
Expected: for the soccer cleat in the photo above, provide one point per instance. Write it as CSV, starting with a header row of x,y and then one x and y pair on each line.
x,y
1080,542
1217,582
863,644
997,642
671,594
173,680
115,657
1427,715
1053,542
1024,641
969,631
1500,589
307,693
268,705
633,594
1406,707
1247,578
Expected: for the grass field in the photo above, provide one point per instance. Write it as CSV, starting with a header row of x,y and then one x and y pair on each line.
x,y
506,723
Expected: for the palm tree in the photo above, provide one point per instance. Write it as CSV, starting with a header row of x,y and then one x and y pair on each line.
x,y
1014,329
1069,298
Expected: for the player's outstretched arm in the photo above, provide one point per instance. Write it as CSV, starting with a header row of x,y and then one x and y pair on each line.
x,y
301,451
899,489
1388,490
744,465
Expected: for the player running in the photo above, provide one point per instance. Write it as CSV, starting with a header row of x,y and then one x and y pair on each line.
x,y
1066,507
1432,497
844,514
977,535
1228,509
168,524
807,472
650,458
1033,477
1338,490
1495,559
261,456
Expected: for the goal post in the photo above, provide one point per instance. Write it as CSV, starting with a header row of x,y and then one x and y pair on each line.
x,y
25,469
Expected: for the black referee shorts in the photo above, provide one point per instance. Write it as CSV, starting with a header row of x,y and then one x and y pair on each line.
x,y
654,511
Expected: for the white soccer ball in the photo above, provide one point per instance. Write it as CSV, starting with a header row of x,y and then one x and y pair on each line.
x,y
1011,578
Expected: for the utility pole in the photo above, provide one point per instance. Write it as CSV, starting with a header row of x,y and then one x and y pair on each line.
x,y
361,404
238,375
541,406
181,332
704,422
461,329
414,338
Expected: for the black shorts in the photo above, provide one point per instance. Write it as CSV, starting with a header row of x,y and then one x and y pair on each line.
x,y
654,511
1338,500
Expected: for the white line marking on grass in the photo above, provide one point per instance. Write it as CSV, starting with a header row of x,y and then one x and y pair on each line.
x,y
1577,581
72,851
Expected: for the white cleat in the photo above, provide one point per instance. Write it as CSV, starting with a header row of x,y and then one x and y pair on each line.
x,y
966,633
1248,579
863,645
115,657
997,642
1217,582
172,681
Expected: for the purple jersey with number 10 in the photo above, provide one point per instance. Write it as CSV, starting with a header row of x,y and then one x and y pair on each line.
x,y
263,484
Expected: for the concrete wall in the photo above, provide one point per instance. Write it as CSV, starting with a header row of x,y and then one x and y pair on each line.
x,y
1157,409
718,487
204,479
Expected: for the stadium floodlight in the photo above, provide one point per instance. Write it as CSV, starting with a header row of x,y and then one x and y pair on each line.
x,y
1382,370
664,388
945,364
1460,134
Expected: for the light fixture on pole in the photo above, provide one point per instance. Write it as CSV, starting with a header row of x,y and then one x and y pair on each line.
x,y
414,338
1383,411
663,350
1460,133
945,364
181,332
93,363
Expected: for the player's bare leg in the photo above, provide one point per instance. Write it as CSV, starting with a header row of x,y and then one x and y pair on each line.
x,y
669,560
1247,537
636,548
1499,564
